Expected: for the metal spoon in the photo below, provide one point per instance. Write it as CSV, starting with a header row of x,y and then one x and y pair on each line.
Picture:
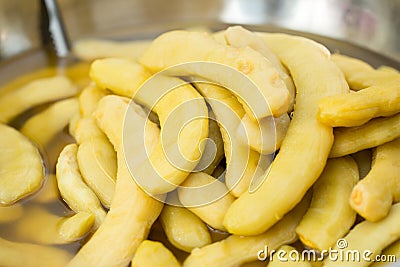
x,y
52,29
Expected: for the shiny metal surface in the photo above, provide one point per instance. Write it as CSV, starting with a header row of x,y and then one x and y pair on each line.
x,y
369,23
52,28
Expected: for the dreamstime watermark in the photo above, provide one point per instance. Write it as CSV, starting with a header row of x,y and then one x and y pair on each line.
x,y
340,253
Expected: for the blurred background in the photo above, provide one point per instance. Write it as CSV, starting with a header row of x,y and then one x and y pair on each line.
x,y
369,23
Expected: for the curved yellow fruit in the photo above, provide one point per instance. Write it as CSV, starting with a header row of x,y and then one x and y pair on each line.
x,y
373,196
176,103
121,76
183,228
183,116
89,98
264,136
392,252
369,237
359,107
34,93
90,49
184,46
376,132
355,71
110,117
330,216
206,197
153,254
132,211
388,69
236,250
97,159
73,189
240,37
21,166
25,254
40,226
242,162
42,127
305,149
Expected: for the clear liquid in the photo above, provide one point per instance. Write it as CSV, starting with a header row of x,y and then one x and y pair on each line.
x,y
40,199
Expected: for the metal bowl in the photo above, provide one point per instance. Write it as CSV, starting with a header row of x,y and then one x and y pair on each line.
x,y
367,29
369,23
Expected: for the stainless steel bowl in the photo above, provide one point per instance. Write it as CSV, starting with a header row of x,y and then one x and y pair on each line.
x,y
369,23
368,29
